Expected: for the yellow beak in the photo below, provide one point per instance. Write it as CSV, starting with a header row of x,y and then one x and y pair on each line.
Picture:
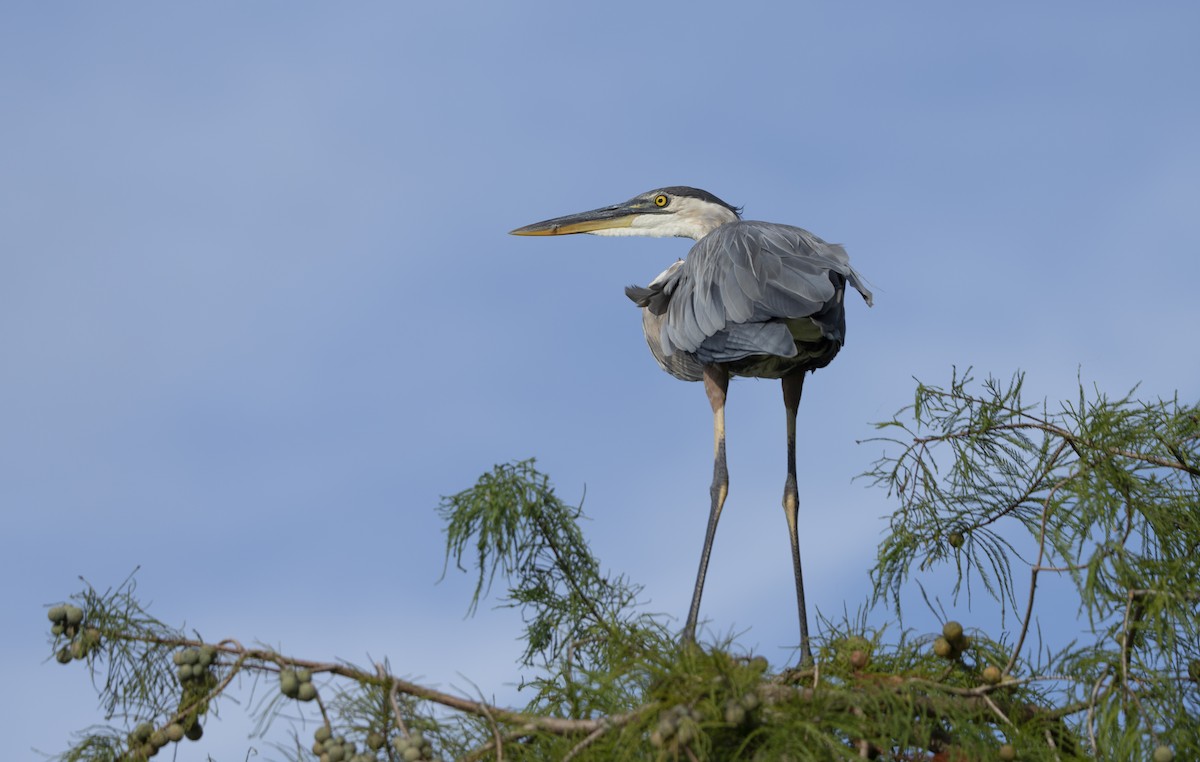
x,y
605,218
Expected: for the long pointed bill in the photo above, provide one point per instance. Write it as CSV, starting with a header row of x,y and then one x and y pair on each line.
x,y
605,218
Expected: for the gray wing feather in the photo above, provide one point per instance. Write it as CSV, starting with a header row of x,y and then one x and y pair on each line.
x,y
733,295
682,365
744,339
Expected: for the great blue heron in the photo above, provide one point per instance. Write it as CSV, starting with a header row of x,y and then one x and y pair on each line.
x,y
752,299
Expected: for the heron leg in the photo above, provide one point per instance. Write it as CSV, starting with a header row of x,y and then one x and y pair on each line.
x,y
793,385
716,385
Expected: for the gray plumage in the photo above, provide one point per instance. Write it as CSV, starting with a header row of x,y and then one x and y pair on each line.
x,y
761,298
751,299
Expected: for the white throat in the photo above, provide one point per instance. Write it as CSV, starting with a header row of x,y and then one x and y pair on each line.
x,y
688,218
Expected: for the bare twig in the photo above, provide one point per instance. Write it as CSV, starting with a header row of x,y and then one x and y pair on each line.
x,y
587,741
1037,565
992,705
392,690
1091,715
1068,436
496,737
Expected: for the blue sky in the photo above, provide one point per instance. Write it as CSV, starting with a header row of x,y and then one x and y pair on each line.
x,y
259,311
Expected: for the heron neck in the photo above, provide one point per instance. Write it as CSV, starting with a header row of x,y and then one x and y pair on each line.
x,y
693,220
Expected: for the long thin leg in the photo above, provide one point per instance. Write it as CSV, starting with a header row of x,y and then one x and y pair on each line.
x,y
716,385
792,387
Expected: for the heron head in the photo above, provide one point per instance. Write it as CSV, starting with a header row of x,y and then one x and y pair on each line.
x,y
674,211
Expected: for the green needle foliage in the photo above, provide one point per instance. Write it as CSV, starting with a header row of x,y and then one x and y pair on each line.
x,y
579,623
515,524
1102,492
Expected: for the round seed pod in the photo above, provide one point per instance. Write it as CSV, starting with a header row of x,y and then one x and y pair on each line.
x,y
375,740
57,629
305,675
750,701
74,615
158,739
57,614
942,648
1007,753
63,656
142,732
687,731
991,675
956,539
411,754
306,692
735,713
175,732
859,659
667,724
1163,754
194,731
289,684
322,733
666,729
953,632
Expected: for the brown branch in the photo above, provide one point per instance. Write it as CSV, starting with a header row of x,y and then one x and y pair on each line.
x,y
495,734
478,753
1028,618
588,740
1034,485
393,701
931,698
1069,437
529,722
548,537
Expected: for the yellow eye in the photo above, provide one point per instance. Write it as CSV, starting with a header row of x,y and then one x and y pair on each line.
x,y
661,200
